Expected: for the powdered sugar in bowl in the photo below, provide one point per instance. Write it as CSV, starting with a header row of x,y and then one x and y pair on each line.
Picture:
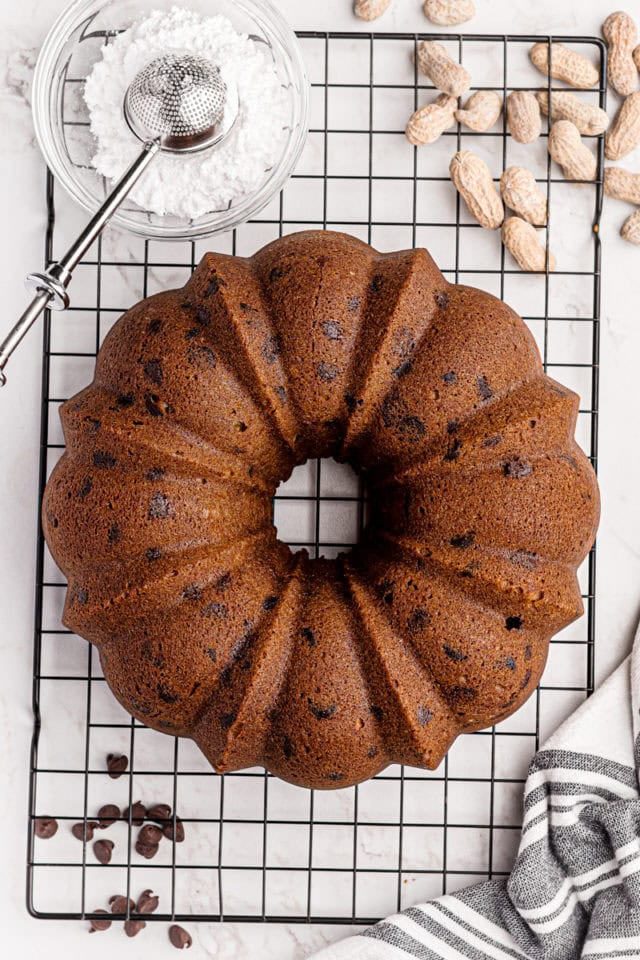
x,y
80,78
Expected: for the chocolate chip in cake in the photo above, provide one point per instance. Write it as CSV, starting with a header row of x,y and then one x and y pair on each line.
x,y
372,752
271,347
288,748
179,937
102,850
463,541
517,468
456,655
137,811
525,679
201,354
166,695
214,285
276,273
160,507
218,610
418,620
45,827
335,777
321,713
350,402
527,652
484,389
412,427
424,715
155,325
125,400
211,653
402,369
178,833
353,304
133,927
508,663
281,393
191,592
377,283
376,712
308,636
98,923
492,441
450,378
203,317
155,406
513,623
103,460
121,905
116,765
462,693
147,902
246,308
327,371
331,329
269,603
192,334
93,423
442,299
86,488
79,595
84,831
453,426
114,535
153,553
153,370
453,451
108,814
227,720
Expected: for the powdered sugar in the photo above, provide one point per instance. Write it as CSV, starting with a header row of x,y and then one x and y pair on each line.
x,y
189,186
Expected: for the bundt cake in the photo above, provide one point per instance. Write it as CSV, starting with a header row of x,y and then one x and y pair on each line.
x,y
481,508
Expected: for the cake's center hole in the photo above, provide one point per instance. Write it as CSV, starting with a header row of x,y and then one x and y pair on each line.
x,y
320,508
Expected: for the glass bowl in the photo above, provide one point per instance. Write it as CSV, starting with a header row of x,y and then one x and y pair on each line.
x,y
61,118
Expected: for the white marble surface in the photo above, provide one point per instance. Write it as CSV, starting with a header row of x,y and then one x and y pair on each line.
x,y
21,246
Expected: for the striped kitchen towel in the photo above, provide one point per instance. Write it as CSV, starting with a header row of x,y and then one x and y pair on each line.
x,y
574,890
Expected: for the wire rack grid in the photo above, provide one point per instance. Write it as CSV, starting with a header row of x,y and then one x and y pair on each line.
x,y
257,848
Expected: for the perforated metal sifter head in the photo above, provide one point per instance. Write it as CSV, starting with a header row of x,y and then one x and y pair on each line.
x,y
181,101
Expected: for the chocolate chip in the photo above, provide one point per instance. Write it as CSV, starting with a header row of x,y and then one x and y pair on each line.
x,y
202,353
450,378
116,765
321,713
377,713
335,776
159,813
84,831
179,937
271,348
167,695
120,904
517,468
527,652
508,663
153,370
191,592
463,541
97,923
108,814
463,693
153,553
169,831
418,620
484,389
215,610
102,850
277,273
350,402
453,451
94,423
453,426
79,595
513,623
125,400
160,507
327,371
203,317
45,827
331,329
269,603
137,811
155,326
227,720
353,303
456,655
86,488
424,715
307,634
147,902
282,394
146,850
442,298
114,535
288,748
246,308
155,406
402,369
214,285
376,283
525,679
133,927
192,334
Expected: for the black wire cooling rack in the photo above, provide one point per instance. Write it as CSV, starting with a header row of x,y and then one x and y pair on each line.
x,y
257,848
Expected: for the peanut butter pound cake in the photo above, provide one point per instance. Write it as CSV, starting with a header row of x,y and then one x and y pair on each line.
x,y
481,508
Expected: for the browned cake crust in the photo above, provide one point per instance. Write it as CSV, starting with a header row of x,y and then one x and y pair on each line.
x,y
323,671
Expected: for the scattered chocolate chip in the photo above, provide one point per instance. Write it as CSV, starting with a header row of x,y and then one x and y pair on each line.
x,y
353,303
79,595
191,592
114,535
166,695
271,348
246,308
453,426
155,326
159,813
227,720
137,811
424,715
492,441
116,766
453,451
169,832
377,713
463,541
214,285
203,317
450,378
94,423
102,850
269,603
442,298
350,402
277,273
402,369
86,488
527,652
146,850
456,655
160,507
153,370
133,927
525,679
155,406
331,330
327,371
201,352
211,653
153,553
147,902
107,815
335,776
125,400
462,693
484,389
418,620
45,827
84,830
372,752
98,924
513,623
215,610
376,283
517,468
179,937
120,904
508,663
192,334
288,748
321,713
281,394
307,634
